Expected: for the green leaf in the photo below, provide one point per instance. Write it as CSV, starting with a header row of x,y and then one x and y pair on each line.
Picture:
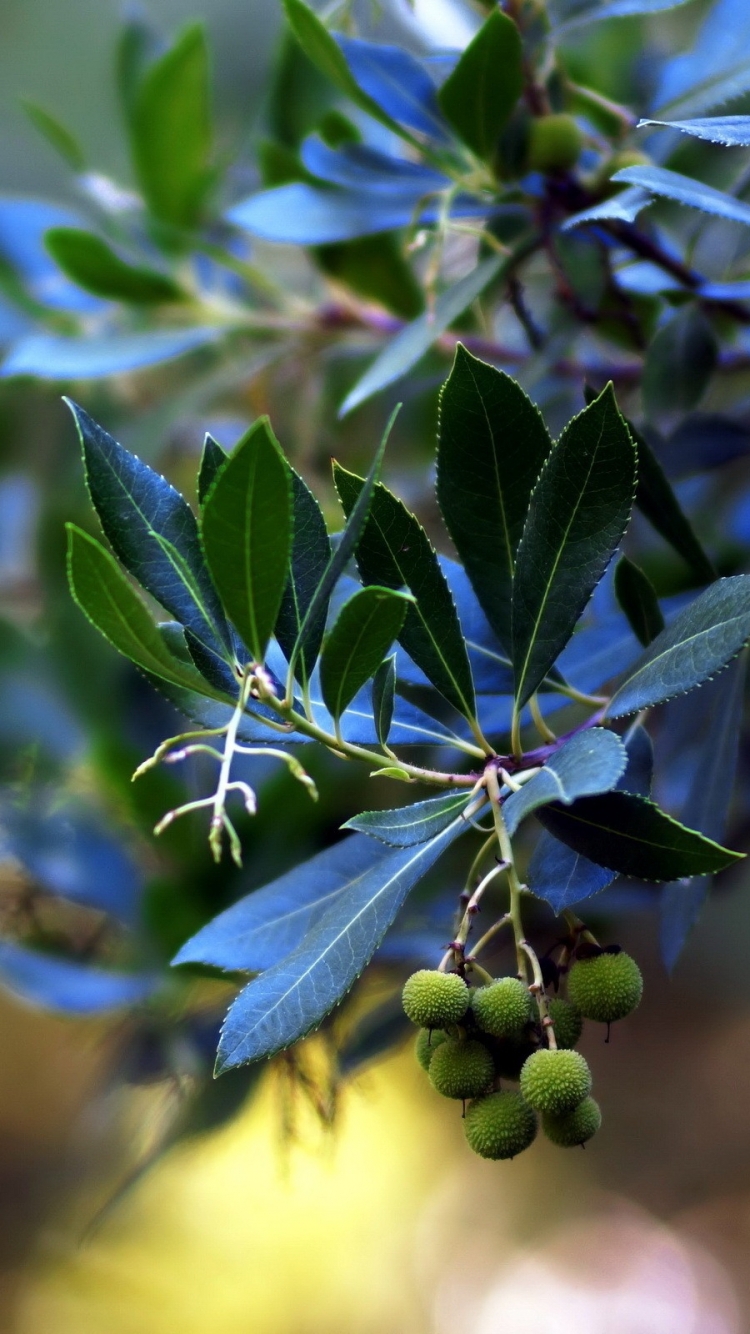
x,y
579,511
679,363
247,534
374,267
355,646
698,643
383,698
410,345
212,459
111,603
293,997
657,501
171,131
637,597
492,445
325,53
56,134
394,551
407,826
632,836
481,91
591,762
152,530
96,267
311,553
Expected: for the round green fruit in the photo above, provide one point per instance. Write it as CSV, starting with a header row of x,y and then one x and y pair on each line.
x,y
461,1068
503,1008
573,1128
433,999
567,1022
500,1125
607,987
427,1043
555,143
555,1081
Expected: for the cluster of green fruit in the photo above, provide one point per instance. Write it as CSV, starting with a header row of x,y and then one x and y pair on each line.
x,y
472,1038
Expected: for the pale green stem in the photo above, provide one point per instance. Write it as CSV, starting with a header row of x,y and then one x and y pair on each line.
x,y
544,731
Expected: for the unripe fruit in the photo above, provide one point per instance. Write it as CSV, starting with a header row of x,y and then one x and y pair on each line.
x,y
554,142
607,987
500,1125
433,999
503,1008
567,1021
427,1043
461,1068
555,1081
573,1128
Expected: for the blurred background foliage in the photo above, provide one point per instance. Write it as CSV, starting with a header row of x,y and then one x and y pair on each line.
x,y
276,1199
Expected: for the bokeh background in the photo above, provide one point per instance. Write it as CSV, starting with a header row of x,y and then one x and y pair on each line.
x,y
384,1221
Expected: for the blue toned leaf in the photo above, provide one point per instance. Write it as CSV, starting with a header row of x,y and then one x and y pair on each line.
x,y
591,762
410,345
624,207
383,698
579,511
480,93
357,642
152,530
265,926
70,987
360,167
311,554
397,82
301,214
732,131
685,190
700,641
293,997
714,69
679,362
568,16
706,805
247,534
395,551
564,877
407,826
53,357
656,499
23,223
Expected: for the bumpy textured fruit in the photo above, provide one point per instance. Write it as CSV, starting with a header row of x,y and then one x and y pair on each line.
x,y
554,141
427,1043
567,1022
573,1127
555,1081
433,999
503,1008
605,988
461,1068
500,1125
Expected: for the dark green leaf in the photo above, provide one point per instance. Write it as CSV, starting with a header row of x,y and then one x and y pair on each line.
x,y
247,534
679,363
656,499
698,643
637,597
492,444
394,551
294,996
355,647
407,826
630,835
152,530
383,698
375,267
311,553
111,604
212,458
578,514
138,44
56,134
589,763
96,267
171,132
481,91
